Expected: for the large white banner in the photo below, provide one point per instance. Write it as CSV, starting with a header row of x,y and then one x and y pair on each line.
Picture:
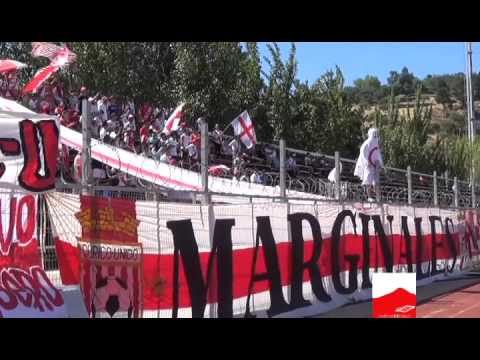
x,y
270,259
28,148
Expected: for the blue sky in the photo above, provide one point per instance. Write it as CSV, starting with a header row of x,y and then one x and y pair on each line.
x,y
359,59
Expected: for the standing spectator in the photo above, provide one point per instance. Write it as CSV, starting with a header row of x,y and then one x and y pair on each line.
x,y
77,167
144,134
34,103
58,92
217,139
146,112
292,165
172,148
114,110
234,146
73,100
102,108
369,163
12,86
192,155
83,96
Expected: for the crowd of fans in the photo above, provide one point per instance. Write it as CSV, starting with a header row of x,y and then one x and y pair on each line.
x,y
141,130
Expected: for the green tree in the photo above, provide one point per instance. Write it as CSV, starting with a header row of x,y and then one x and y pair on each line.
x,y
443,95
369,89
217,80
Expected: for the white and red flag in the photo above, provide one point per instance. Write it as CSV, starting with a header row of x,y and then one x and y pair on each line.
x,y
173,121
243,127
59,58
53,52
10,65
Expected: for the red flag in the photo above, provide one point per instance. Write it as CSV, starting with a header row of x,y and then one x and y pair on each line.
x,y
40,77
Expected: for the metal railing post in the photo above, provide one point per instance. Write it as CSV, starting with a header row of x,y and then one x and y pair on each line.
x,y
455,191
446,181
409,184
282,169
86,149
474,197
204,160
435,189
337,175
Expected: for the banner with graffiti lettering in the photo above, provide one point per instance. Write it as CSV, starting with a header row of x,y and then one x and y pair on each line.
x,y
271,259
28,148
25,289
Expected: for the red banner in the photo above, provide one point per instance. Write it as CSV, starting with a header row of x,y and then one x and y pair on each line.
x,y
25,289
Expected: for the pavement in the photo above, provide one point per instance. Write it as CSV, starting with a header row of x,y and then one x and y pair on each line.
x,y
459,297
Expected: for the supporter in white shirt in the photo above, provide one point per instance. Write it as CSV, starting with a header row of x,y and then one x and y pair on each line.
x,y
172,147
234,147
185,139
102,107
192,152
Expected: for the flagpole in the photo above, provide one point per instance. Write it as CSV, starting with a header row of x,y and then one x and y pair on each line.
x,y
228,126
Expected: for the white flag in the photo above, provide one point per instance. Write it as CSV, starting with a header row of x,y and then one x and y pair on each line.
x,y
243,127
173,121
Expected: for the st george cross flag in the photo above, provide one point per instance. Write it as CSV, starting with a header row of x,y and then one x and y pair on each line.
x,y
243,127
173,121
10,65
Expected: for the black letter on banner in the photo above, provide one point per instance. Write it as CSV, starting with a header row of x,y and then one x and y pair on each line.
x,y
298,266
386,250
30,177
278,304
8,147
408,244
435,244
419,271
366,283
353,259
186,245
451,244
